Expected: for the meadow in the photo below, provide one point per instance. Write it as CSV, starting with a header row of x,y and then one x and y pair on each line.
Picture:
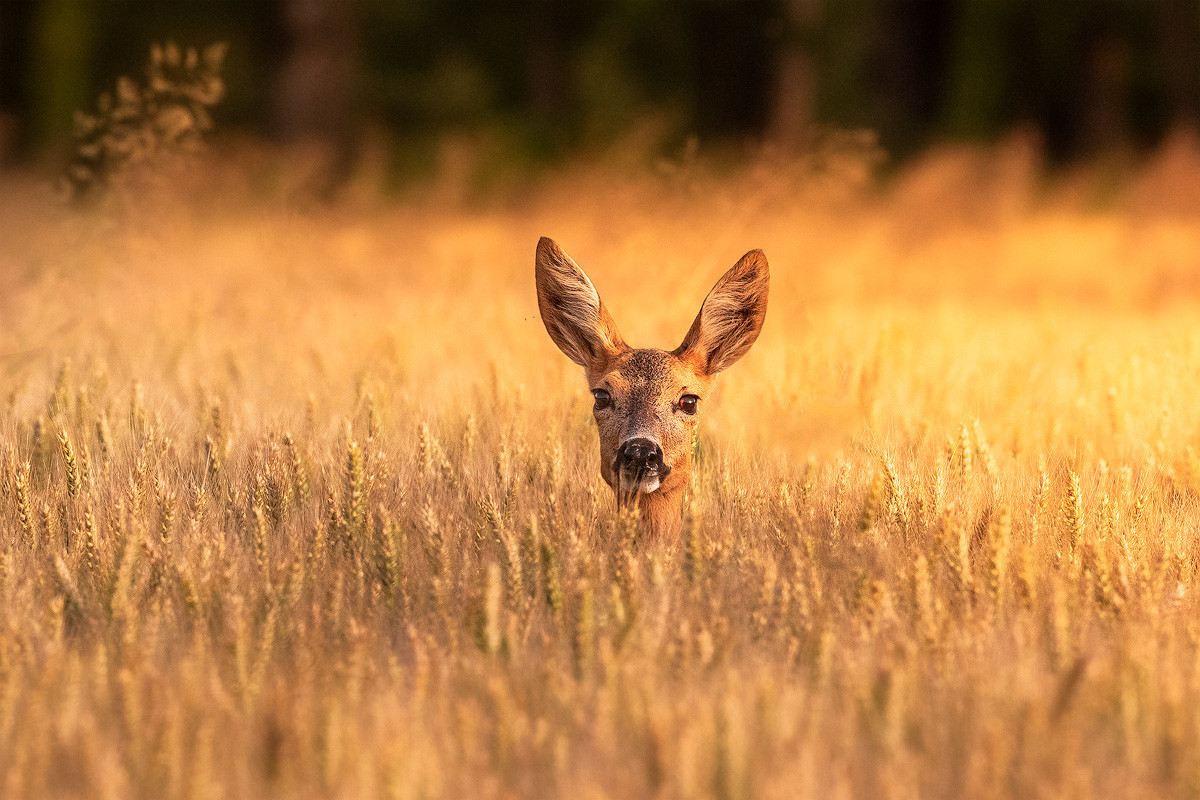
x,y
301,501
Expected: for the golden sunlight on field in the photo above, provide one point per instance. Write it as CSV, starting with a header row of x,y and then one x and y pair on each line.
x,y
307,504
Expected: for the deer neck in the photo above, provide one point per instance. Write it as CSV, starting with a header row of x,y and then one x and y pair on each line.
x,y
661,514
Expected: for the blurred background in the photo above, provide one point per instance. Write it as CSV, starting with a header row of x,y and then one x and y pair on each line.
x,y
537,81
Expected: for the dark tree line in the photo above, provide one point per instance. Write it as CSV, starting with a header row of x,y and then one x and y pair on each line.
x,y
559,74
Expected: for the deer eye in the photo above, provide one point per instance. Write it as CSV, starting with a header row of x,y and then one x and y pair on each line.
x,y
603,399
688,403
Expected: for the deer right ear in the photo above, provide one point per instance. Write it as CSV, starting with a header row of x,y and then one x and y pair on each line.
x,y
571,309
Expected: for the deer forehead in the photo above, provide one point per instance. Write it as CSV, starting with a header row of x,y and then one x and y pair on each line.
x,y
649,371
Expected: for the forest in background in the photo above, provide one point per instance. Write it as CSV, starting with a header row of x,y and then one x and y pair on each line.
x,y
298,500
546,79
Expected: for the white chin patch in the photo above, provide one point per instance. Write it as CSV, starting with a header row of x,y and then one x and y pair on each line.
x,y
646,485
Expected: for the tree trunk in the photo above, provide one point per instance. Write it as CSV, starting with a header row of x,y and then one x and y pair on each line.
x,y
794,95
61,74
314,103
547,68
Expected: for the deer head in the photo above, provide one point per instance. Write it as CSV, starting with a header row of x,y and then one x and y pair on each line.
x,y
648,402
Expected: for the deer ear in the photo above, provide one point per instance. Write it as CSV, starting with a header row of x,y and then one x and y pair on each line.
x,y
571,309
730,318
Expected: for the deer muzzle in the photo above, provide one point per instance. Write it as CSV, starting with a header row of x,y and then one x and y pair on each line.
x,y
639,465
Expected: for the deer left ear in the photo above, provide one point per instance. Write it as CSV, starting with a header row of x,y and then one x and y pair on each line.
x,y
730,318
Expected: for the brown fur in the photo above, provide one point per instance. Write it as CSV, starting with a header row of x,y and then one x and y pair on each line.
x,y
646,385
571,309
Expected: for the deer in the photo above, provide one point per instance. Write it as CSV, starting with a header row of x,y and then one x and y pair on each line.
x,y
647,401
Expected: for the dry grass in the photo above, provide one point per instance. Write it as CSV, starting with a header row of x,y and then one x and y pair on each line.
x,y
305,505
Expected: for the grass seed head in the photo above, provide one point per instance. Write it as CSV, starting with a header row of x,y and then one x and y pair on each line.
x,y
1072,514
69,463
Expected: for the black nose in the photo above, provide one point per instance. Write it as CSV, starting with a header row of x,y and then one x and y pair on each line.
x,y
641,455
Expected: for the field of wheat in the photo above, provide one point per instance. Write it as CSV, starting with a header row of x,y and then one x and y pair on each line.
x,y
303,502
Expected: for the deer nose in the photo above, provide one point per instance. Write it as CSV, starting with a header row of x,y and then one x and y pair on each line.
x,y
641,455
